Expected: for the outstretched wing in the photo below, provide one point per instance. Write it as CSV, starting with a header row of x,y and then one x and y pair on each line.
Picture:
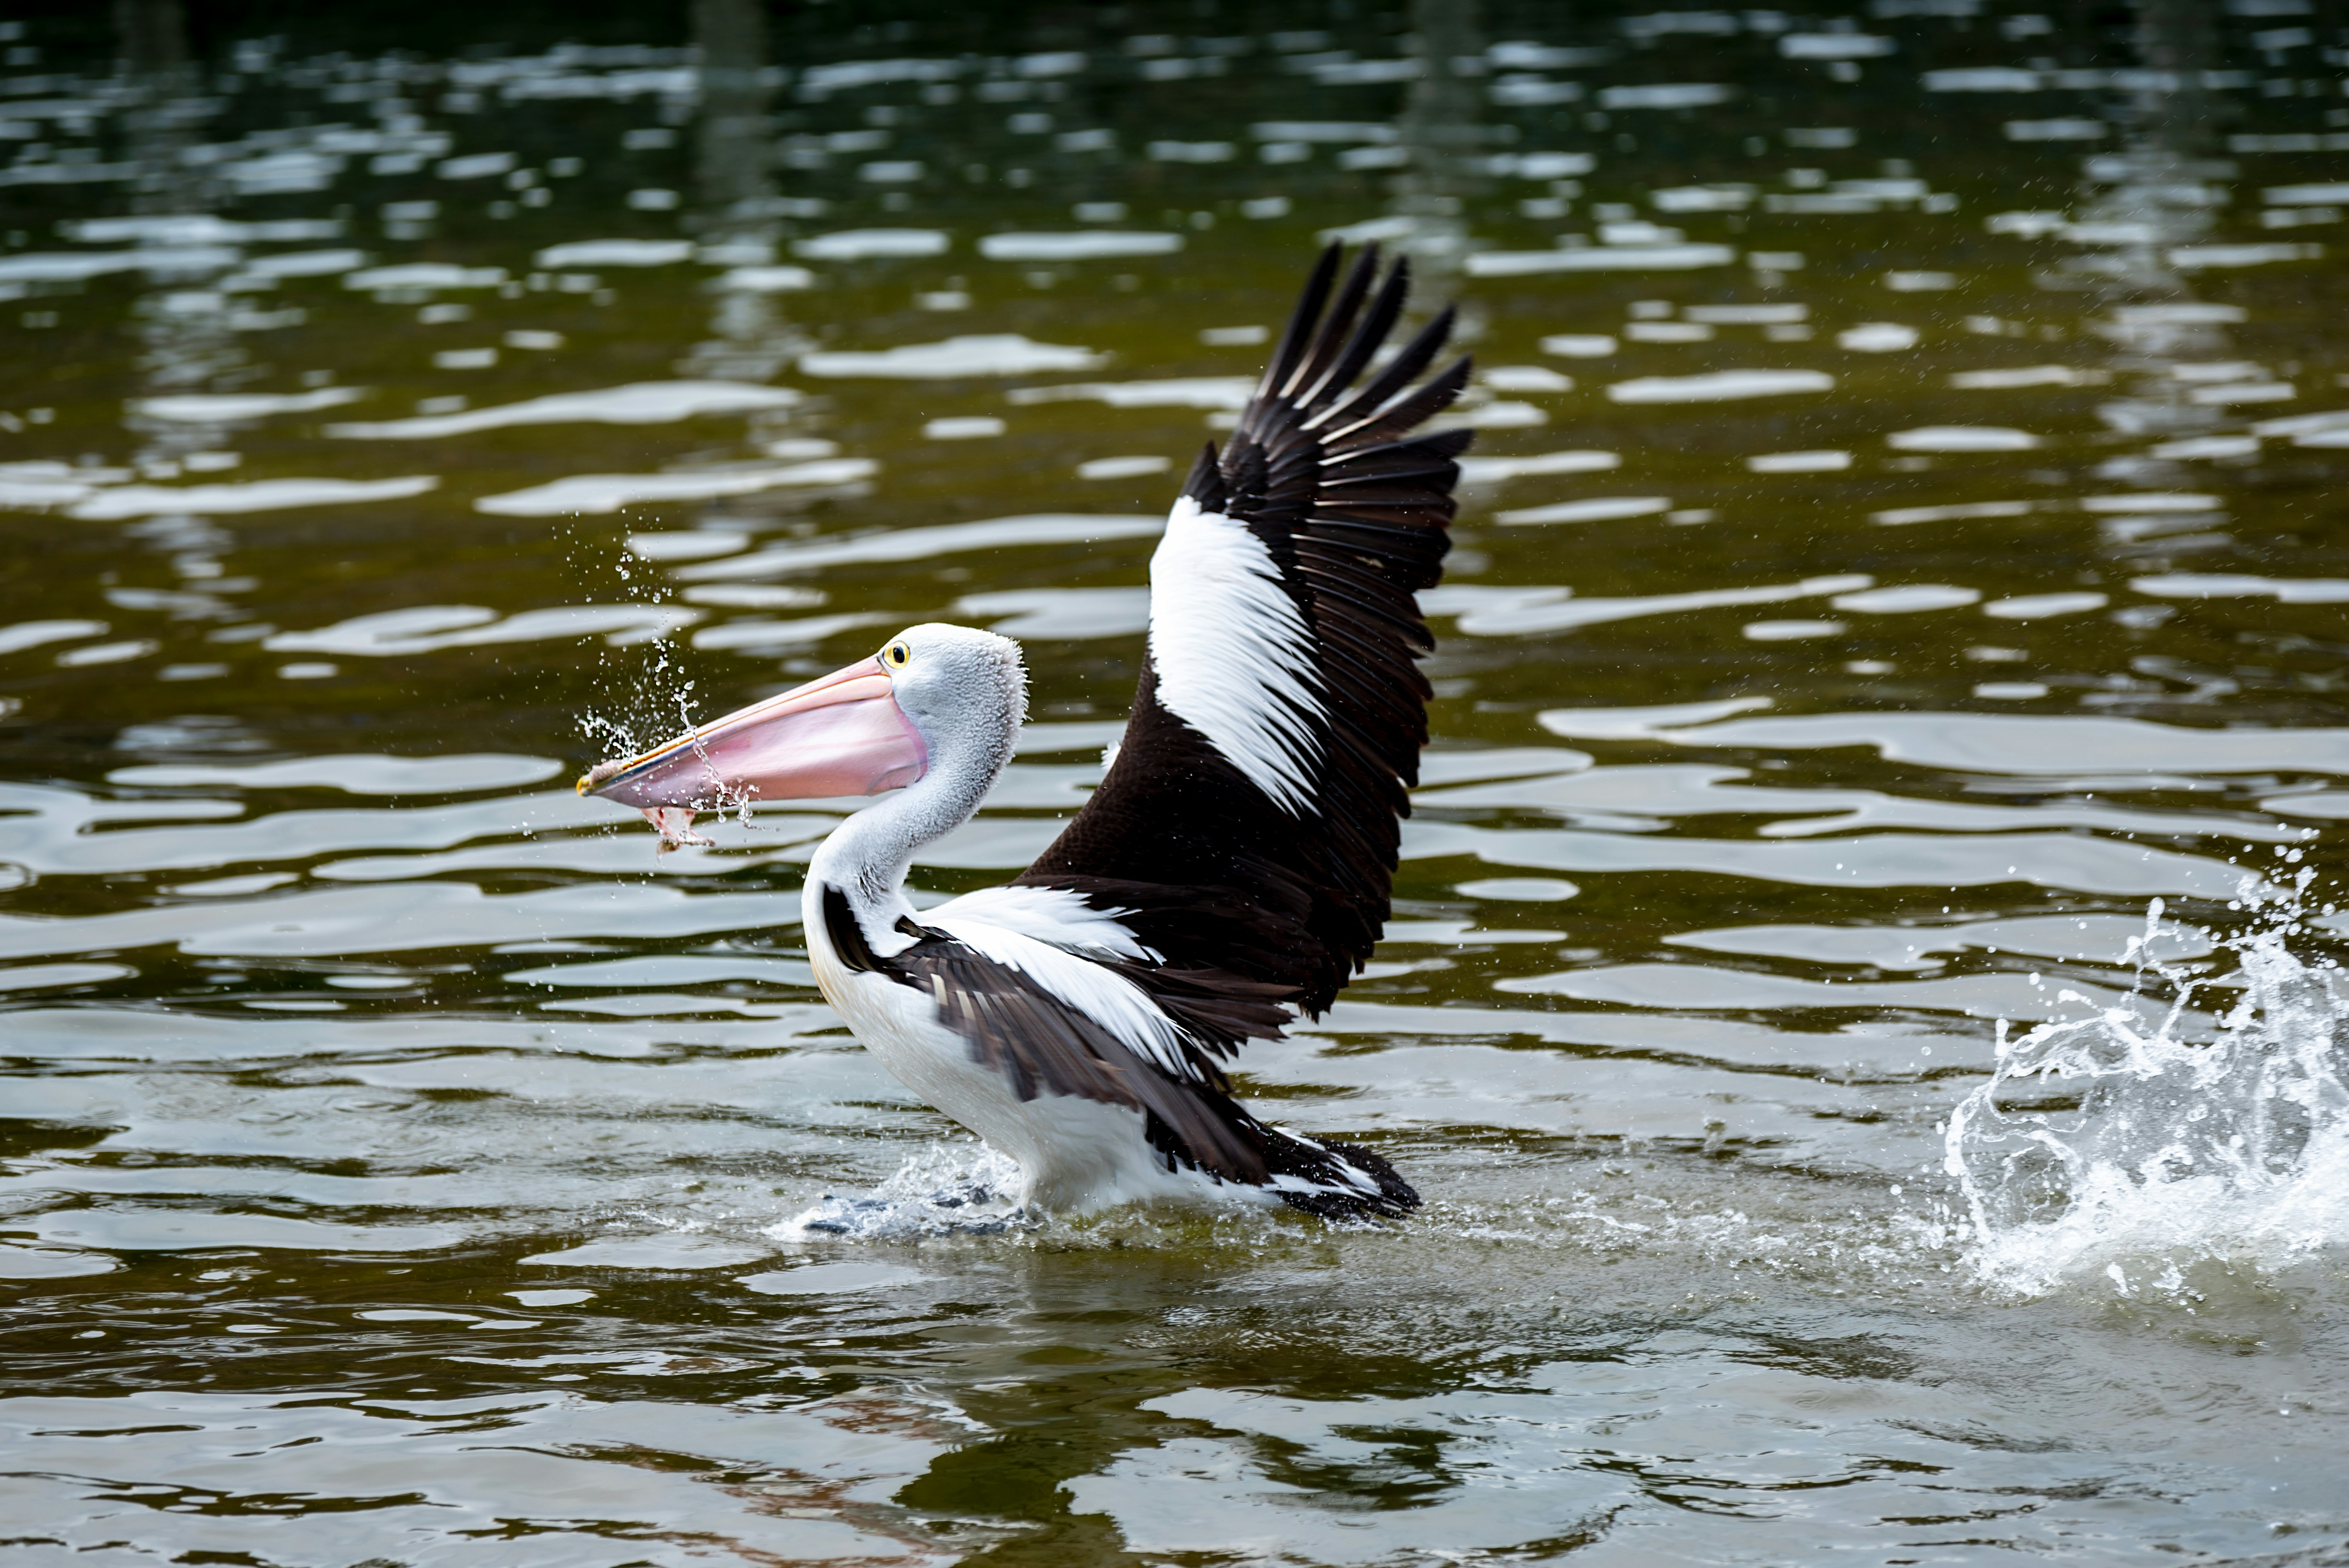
x,y
1247,825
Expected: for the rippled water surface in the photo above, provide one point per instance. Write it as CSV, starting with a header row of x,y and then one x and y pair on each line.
x,y
1897,633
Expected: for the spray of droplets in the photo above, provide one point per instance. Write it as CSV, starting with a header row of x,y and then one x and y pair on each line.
x,y
2131,1148
642,695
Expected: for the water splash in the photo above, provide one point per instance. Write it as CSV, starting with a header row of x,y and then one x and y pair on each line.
x,y
648,685
641,679
963,1189
2148,1140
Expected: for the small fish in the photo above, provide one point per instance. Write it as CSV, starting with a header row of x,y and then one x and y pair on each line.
x,y
676,825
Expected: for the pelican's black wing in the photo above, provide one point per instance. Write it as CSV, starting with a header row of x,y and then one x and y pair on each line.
x,y
1249,822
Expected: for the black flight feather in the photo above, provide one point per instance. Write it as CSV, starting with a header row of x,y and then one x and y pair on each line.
x,y
1353,509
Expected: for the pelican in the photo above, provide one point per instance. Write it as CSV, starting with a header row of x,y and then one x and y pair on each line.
x,y
1233,869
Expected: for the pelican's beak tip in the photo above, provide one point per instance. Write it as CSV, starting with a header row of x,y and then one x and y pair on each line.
x,y
603,773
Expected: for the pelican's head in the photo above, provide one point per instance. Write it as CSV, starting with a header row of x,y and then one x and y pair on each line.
x,y
934,695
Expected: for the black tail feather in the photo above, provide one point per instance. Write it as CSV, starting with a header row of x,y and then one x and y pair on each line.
x,y
1327,1180
1333,1196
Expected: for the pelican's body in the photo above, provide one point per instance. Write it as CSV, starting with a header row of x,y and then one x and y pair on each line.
x,y
1234,866
1073,1153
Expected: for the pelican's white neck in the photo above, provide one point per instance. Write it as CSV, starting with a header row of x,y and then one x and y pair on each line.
x,y
868,856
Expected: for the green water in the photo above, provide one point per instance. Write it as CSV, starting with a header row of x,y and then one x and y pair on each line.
x,y
1900,544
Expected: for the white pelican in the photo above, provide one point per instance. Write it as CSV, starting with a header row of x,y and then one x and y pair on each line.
x,y
1234,867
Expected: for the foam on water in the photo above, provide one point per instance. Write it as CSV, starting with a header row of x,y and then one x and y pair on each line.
x,y
2136,1143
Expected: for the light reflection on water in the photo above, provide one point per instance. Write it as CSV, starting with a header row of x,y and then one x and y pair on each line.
x,y
1897,548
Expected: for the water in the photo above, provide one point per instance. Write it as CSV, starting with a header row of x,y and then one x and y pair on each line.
x,y
1899,556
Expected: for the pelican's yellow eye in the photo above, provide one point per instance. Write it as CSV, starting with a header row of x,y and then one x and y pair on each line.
x,y
897,654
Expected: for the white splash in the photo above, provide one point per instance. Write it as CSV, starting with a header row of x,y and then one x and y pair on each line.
x,y
2166,1137
957,1190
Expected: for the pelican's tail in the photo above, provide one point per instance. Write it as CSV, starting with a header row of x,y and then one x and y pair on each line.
x,y
1329,1180
1334,1180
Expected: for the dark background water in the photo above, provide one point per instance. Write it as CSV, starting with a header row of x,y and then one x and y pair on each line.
x,y
1902,542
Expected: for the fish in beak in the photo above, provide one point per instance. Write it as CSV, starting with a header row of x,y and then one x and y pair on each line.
x,y
841,735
